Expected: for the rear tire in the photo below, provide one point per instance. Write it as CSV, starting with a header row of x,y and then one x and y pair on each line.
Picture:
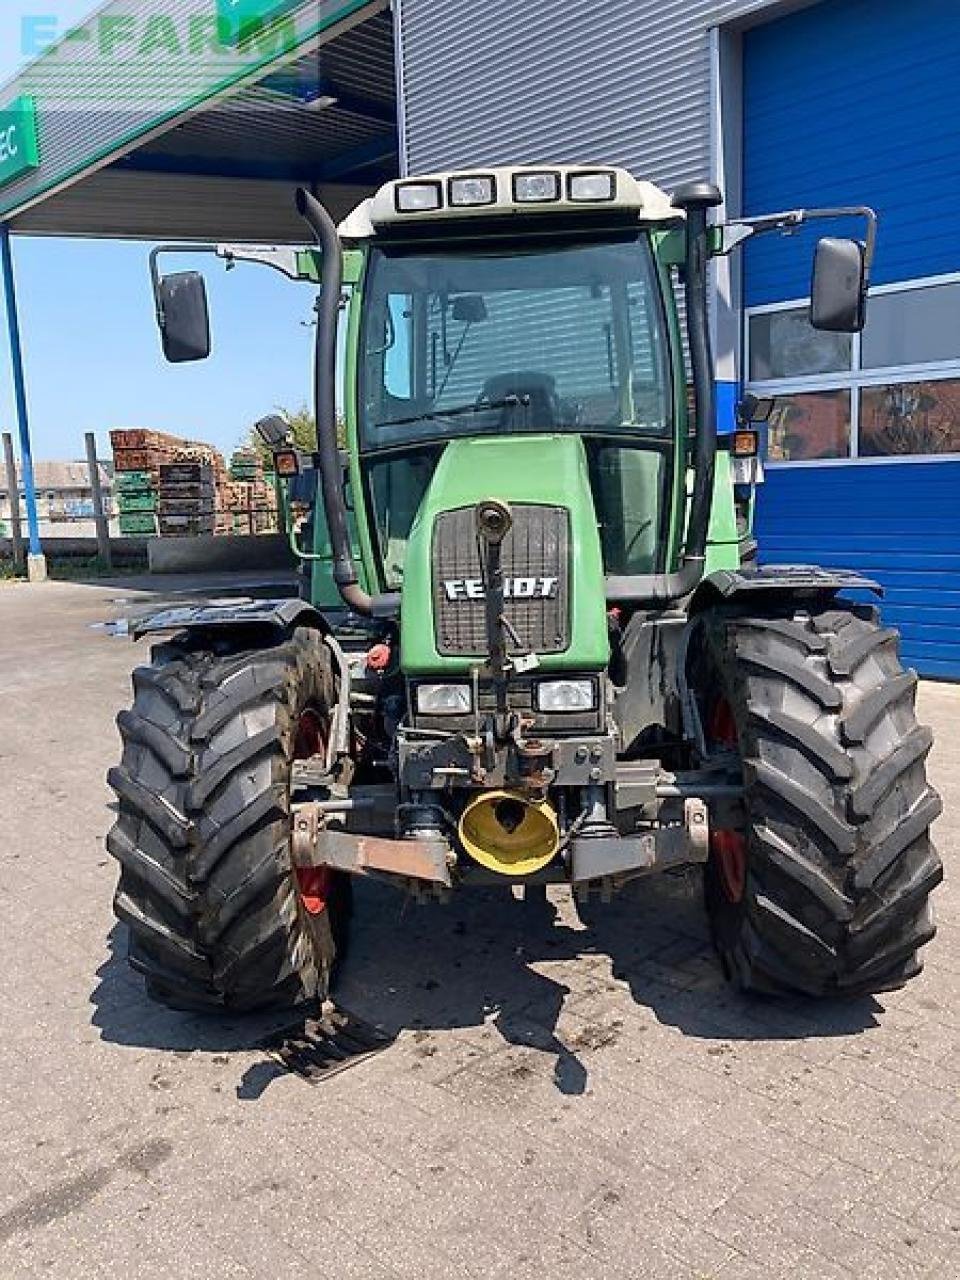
x,y
207,887
838,860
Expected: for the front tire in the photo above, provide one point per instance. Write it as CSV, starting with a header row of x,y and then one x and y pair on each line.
x,y
207,888
823,887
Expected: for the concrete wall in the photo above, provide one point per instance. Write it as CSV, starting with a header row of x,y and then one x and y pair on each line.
x,y
220,555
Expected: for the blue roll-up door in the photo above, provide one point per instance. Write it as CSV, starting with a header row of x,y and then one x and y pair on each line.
x,y
855,102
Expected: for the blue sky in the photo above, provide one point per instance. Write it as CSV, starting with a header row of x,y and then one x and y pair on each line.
x,y
90,342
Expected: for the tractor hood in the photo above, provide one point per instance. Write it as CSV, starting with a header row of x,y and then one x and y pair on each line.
x,y
551,558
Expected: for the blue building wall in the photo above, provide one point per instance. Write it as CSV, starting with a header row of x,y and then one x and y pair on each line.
x,y
896,522
855,102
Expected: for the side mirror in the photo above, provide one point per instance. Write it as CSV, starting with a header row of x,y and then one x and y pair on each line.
x,y
184,317
838,291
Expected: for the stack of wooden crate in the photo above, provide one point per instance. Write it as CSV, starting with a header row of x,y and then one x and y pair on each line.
x,y
181,488
136,496
252,499
137,457
187,498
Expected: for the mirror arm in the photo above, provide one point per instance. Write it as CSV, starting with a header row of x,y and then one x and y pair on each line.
x,y
734,233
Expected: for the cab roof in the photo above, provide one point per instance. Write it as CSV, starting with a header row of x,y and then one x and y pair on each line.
x,y
507,191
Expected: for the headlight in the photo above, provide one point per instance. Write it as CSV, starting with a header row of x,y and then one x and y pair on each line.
x,y
444,699
592,186
480,189
566,695
418,197
536,188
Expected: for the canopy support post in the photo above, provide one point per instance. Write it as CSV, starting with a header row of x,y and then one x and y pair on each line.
x,y
36,561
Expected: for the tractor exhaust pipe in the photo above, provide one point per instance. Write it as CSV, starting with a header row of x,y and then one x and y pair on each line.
x,y
695,198
325,380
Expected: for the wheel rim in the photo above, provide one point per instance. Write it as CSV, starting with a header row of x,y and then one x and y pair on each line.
x,y
728,846
314,884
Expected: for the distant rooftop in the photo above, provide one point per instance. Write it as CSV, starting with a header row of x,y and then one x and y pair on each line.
x,y
62,476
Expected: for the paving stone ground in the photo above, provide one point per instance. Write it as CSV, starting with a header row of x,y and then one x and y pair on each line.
x,y
565,1097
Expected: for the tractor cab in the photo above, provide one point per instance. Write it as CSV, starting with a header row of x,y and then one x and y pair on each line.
x,y
519,307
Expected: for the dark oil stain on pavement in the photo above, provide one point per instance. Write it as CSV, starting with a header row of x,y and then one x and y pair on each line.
x,y
70,1195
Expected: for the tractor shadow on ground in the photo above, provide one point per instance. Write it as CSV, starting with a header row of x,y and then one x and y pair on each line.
x,y
487,958
124,1015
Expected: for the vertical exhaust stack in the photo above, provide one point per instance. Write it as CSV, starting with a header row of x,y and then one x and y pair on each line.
x,y
325,381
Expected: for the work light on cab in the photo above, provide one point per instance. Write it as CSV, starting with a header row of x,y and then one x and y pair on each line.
x,y
595,187
473,190
418,197
536,188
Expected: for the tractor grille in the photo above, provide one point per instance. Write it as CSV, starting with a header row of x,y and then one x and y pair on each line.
x,y
537,547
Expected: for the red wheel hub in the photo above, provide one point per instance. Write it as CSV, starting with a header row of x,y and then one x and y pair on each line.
x,y
728,846
311,737
313,883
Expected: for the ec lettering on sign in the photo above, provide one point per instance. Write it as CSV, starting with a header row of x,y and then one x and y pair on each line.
x,y
19,148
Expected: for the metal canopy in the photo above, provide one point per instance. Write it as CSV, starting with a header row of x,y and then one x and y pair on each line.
x,y
207,161
147,122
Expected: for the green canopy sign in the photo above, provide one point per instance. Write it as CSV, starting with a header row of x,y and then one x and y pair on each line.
x,y
19,147
239,19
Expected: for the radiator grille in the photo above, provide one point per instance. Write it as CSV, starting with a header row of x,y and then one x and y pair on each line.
x,y
537,546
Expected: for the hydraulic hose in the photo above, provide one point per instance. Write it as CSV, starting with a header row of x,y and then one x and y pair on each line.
x,y
325,380
661,588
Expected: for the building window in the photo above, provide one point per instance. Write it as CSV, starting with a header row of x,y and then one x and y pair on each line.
x,y
892,391
910,417
784,344
809,424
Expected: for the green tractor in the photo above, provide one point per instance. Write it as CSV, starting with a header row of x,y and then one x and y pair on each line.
x,y
533,645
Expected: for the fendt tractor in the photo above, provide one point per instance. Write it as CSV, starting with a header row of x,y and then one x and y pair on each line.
x,y
533,644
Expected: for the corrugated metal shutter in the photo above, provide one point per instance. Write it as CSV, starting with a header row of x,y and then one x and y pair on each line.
x,y
855,102
500,82
896,522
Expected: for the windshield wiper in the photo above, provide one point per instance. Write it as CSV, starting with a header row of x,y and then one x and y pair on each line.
x,y
507,402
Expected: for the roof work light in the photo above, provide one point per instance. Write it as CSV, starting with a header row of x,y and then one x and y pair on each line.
x,y
418,197
474,189
592,186
536,188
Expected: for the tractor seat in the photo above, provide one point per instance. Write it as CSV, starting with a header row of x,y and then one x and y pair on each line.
x,y
539,389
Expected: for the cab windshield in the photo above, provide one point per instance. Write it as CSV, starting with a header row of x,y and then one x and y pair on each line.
x,y
477,341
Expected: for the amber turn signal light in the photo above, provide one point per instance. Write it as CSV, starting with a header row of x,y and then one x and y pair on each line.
x,y
745,444
287,463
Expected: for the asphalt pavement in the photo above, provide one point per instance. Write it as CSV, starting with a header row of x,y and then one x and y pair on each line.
x,y
565,1097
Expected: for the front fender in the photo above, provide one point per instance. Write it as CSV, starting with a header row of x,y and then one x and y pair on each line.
x,y
802,581
275,615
